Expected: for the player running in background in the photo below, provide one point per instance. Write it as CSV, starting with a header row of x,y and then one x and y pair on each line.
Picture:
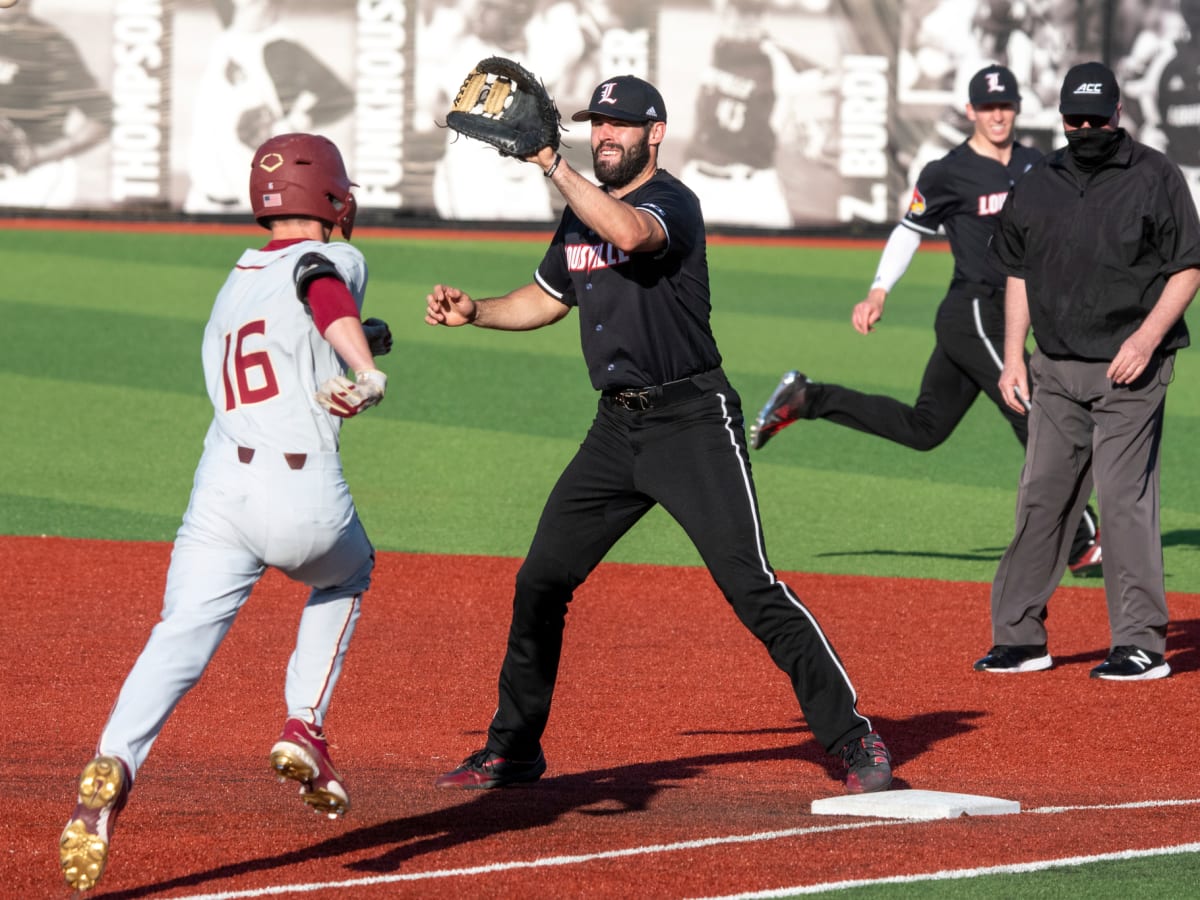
x,y
630,257
268,490
962,193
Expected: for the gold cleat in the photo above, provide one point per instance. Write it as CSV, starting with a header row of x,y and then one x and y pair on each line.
x,y
302,755
83,846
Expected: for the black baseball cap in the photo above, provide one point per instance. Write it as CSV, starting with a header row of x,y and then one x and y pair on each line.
x,y
627,98
1090,88
994,84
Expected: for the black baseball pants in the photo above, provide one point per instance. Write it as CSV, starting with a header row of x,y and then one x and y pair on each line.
x,y
966,361
690,457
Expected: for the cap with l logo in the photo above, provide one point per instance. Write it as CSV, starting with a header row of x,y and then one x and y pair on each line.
x,y
994,84
627,98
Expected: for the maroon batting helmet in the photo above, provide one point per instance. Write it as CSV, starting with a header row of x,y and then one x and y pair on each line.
x,y
302,175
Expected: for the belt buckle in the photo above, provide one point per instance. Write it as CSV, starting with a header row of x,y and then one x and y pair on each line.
x,y
634,400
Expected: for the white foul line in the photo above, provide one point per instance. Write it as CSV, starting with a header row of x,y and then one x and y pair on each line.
x,y
755,837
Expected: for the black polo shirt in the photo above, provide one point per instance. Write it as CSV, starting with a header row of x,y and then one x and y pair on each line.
x,y
1095,249
643,317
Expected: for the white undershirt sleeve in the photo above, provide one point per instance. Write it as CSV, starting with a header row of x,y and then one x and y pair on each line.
x,y
901,246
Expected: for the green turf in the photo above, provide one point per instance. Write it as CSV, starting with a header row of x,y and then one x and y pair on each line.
x,y
1144,877
103,351
105,413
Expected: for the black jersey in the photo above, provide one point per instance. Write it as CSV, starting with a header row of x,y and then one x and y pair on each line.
x,y
734,105
643,317
1179,106
43,78
962,192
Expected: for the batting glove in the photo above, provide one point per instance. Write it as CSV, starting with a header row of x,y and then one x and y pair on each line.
x,y
345,398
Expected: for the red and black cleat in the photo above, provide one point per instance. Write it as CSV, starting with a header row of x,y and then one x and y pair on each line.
x,y
868,763
485,769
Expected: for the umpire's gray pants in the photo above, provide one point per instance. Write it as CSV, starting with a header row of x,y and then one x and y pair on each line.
x,y
1081,428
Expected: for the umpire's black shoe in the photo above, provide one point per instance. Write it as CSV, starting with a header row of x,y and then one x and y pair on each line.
x,y
787,403
1132,664
868,763
1015,658
485,769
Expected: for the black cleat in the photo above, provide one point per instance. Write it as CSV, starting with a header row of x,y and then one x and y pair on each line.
x,y
485,769
868,763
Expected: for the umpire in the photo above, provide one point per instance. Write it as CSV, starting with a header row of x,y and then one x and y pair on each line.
x,y
630,255
1101,243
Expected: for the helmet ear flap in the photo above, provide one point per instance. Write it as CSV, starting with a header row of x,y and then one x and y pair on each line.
x,y
348,209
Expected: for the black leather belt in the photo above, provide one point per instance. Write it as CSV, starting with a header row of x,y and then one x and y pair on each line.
x,y
643,398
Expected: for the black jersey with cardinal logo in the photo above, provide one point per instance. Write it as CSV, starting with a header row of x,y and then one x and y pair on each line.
x,y
961,193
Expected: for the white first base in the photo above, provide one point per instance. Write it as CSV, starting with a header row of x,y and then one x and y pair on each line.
x,y
910,804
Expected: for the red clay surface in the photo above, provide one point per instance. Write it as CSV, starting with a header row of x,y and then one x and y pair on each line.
x,y
670,725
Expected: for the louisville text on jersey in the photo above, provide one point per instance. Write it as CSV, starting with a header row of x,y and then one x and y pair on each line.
x,y
586,257
990,204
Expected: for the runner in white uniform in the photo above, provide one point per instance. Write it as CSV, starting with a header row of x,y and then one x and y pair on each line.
x,y
268,490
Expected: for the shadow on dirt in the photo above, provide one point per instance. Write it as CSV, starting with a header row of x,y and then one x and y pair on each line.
x,y
604,792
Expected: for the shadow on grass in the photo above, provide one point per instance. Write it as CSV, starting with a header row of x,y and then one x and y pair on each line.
x,y
1187,537
621,790
1182,537
981,554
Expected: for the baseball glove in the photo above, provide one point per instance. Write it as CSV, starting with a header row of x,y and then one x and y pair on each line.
x,y
504,104
379,336
16,153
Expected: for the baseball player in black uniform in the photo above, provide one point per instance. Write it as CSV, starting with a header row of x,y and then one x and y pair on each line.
x,y
630,255
1101,242
962,192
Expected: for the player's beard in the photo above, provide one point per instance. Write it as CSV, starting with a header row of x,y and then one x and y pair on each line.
x,y
631,164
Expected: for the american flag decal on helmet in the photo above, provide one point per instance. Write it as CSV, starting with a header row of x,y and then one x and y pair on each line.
x,y
272,200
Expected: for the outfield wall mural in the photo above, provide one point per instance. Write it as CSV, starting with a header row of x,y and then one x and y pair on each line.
x,y
782,114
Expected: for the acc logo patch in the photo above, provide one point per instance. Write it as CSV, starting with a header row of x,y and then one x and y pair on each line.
x,y
916,206
271,162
